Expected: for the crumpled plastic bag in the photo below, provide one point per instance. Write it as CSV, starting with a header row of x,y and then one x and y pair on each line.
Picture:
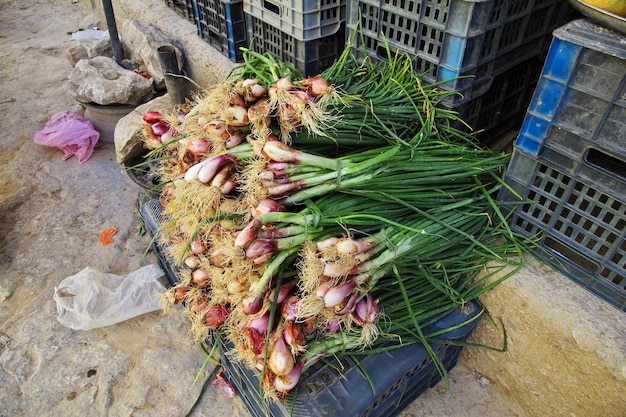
x,y
71,133
92,299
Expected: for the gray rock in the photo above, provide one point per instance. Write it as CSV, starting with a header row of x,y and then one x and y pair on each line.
x,y
90,48
101,80
140,41
128,135
90,21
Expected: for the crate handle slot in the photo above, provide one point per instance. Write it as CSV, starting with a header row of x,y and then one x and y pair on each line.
x,y
605,162
384,54
573,256
269,6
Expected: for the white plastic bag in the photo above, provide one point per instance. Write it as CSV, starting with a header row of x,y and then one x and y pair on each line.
x,y
92,299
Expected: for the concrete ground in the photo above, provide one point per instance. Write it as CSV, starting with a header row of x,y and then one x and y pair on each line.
x,y
53,211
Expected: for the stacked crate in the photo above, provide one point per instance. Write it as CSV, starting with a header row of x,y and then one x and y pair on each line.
x,y
569,160
219,22
491,52
310,34
185,8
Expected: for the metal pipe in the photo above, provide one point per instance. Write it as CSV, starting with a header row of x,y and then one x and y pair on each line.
x,y
118,54
171,71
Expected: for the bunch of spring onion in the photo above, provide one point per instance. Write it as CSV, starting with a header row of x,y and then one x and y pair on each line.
x,y
405,172
300,211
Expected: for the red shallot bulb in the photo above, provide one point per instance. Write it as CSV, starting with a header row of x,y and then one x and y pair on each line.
x,y
192,261
280,359
152,117
180,292
247,235
327,243
219,258
252,304
260,324
198,247
336,295
289,309
294,335
165,137
223,385
237,116
215,316
366,310
200,277
284,83
334,325
234,287
286,383
198,147
235,139
159,128
266,206
317,86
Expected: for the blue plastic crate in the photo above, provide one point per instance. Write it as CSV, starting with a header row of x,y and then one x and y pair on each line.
x,y
340,388
579,106
221,23
580,226
474,40
310,57
303,19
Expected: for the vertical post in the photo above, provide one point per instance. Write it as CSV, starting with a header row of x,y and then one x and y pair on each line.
x,y
118,55
169,64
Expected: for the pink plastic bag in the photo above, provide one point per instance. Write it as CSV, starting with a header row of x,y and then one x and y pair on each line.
x,y
71,133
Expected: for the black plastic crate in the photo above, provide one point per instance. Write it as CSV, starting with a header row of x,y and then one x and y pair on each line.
x,y
503,107
185,8
340,388
581,229
151,210
221,23
465,43
310,57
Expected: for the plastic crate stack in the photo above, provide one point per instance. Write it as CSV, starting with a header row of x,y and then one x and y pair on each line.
x,y
185,8
310,34
490,52
569,160
378,385
219,22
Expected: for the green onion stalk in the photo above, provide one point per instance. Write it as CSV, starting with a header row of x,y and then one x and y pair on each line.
x,y
428,174
417,292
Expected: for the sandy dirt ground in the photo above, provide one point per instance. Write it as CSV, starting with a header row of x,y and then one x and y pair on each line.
x,y
51,214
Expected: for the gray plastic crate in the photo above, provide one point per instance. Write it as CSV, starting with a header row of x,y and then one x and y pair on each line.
x,y
466,43
577,117
581,230
304,20
310,57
